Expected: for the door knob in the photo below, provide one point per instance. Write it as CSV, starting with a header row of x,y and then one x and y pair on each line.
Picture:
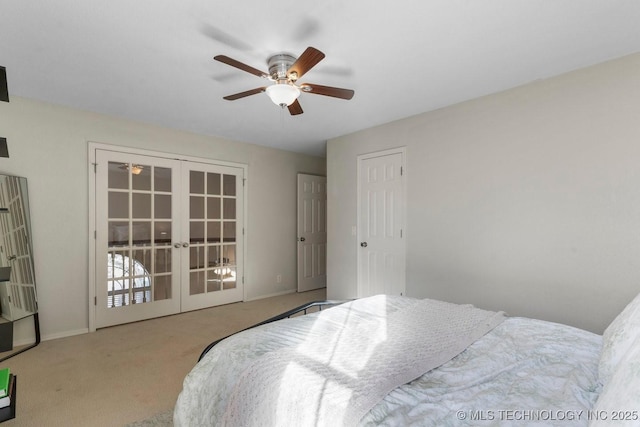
x,y
185,245
302,239
363,244
177,245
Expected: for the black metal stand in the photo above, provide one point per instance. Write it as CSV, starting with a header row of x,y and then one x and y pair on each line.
x,y
36,326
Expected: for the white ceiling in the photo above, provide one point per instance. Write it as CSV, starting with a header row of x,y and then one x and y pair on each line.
x,y
152,60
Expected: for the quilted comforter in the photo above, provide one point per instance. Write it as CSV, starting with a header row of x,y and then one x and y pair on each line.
x,y
522,372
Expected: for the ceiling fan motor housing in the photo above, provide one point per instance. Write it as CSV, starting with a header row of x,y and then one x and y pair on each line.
x,y
279,65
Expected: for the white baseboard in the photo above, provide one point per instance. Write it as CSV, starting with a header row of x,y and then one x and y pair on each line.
x,y
276,294
65,334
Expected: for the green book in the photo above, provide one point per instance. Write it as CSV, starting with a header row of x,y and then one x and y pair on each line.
x,y
4,382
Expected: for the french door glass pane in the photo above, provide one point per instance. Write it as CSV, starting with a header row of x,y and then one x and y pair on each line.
x,y
162,179
141,205
196,182
162,232
229,256
142,257
141,177
196,284
196,257
229,208
213,231
213,258
213,184
213,208
229,231
118,233
197,207
118,175
196,232
229,185
162,288
139,234
118,204
162,260
162,206
217,203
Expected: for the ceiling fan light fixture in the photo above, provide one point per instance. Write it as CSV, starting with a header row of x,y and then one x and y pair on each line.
x,y
283,94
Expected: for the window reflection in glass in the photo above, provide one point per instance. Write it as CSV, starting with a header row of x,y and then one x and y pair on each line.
x,y
128,282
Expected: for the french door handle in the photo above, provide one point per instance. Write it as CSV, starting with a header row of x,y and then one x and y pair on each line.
x,y
363,244
177,245
185,245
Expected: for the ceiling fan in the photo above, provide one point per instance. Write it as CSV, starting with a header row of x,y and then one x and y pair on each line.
x,y
284,72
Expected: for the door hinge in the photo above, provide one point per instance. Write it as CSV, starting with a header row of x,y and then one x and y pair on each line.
x,y
401,233
244,180
95,234
243,280
95,167
401,171
95,300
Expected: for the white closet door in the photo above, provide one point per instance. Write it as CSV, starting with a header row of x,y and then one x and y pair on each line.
x,y
312,232
382,253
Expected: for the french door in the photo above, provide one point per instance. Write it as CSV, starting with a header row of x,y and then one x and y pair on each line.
x,y
168,236
213,233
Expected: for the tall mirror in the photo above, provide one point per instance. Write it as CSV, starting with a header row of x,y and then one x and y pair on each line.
x,y
18,298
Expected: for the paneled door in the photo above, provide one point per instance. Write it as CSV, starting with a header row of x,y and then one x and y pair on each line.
x,y
168,236
381,251
312,232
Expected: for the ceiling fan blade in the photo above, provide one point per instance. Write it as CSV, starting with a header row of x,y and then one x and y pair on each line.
x,y
225,38
243,94
335,92
309,58
295,108
239,65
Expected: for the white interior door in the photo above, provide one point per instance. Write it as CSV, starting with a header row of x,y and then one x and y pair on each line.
x,y
136,212
168,236
381,251
212,235
312,232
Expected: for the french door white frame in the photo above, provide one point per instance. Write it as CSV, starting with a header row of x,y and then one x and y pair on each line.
x,y
91,163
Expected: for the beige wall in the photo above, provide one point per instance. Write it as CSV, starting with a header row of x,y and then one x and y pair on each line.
x,y
48,144
526,201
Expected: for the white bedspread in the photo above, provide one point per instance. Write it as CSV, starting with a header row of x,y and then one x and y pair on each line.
x,y
523,372
358,363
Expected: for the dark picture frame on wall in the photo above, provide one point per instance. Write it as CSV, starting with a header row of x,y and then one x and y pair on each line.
x,y
4,90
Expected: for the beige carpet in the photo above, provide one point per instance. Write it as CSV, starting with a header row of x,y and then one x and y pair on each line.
x,y
130,373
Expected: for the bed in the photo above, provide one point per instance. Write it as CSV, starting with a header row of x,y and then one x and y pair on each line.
x,y
399,361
